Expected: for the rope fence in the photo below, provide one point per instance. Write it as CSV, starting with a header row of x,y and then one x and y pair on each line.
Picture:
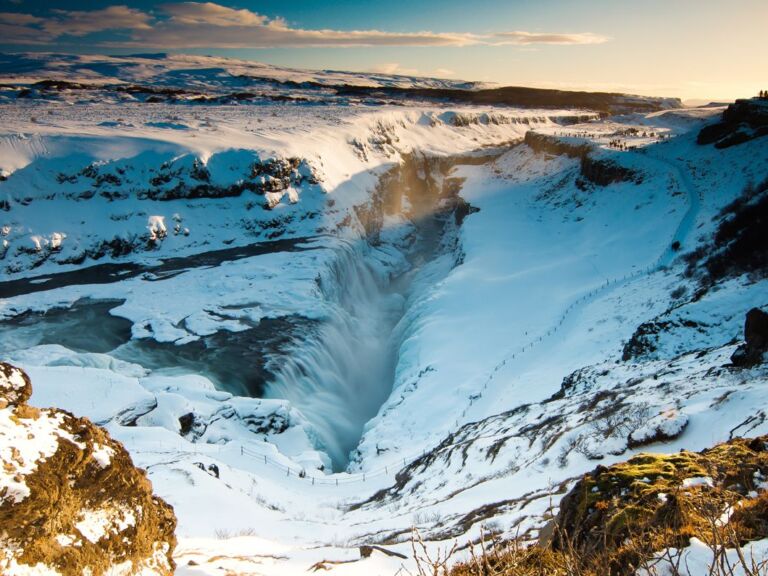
x,y
337,479
340,479
312,476
694,198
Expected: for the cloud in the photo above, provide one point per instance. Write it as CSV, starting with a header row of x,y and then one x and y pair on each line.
x,y
393,68
20,28
185,25
13,18
208,13
525,38
442,72
180,34
82,22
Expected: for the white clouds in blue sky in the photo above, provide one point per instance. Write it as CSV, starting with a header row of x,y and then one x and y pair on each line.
x,y
688,48
185,25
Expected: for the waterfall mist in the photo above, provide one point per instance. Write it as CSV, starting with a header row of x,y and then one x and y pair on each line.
x,y
340,375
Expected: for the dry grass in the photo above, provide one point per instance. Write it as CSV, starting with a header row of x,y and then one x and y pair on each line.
x,y
636,516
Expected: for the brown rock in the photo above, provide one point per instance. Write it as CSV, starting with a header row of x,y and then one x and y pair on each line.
x,y
756,329
15,387
71,498
755,339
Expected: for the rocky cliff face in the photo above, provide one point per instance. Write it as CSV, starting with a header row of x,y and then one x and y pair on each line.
x,y
742,121
601,172
71,500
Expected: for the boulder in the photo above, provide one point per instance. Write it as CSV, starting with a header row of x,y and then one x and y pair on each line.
x,y
71,500
755,340
756,329
617,516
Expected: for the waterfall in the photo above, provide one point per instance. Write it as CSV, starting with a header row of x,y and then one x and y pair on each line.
x,y
339,375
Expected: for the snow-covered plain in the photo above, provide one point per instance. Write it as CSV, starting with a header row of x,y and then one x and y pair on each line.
x,y
254,338
193,72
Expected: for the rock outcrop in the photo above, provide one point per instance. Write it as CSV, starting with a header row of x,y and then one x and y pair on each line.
x,y
71,500
640,516
555,146
626,512
742,121
755,340
605,172
600,172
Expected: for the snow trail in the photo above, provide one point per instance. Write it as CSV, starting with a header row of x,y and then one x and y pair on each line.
x,y
680,235
686,224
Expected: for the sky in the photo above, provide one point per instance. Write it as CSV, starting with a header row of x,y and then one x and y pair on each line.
x,y
692,49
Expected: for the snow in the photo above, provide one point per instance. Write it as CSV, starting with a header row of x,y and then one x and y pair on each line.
x,y
697,481
102,454
13,568
65,539
94,525
517,241
207,73
101,393
698,558
668,424
156,227
72,144
24,442
504,375
15,380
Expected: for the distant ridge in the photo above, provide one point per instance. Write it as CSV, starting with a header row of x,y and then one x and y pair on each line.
x,y
209,78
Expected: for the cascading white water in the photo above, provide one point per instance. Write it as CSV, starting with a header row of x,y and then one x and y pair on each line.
x,y
341,374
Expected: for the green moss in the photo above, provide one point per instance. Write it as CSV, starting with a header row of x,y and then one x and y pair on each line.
x,y
615,516
644,501
622,522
